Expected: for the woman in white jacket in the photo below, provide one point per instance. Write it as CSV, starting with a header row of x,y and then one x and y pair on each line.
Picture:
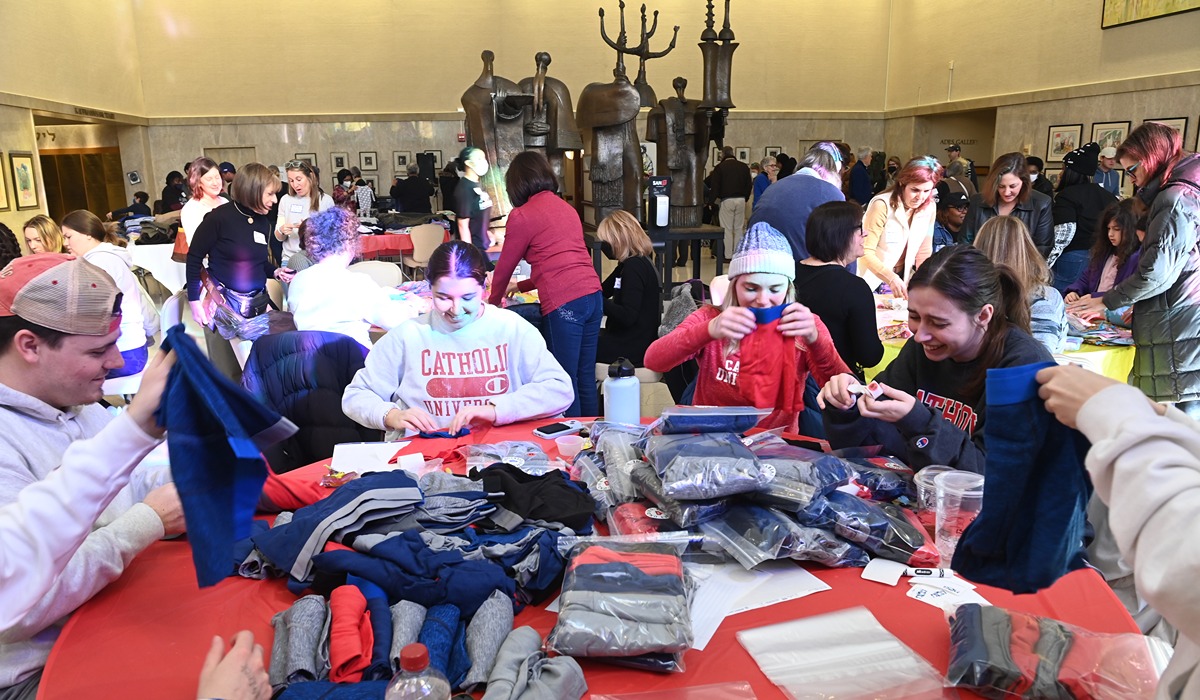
x,y
1145,464
204,180
898,224
85,236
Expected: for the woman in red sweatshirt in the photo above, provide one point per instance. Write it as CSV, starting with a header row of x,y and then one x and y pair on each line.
x,y
758,348
546,231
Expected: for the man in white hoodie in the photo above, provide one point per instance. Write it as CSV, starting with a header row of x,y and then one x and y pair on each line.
x,y
59,324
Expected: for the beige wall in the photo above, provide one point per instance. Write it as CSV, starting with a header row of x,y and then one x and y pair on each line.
x,y
420,55
1000,48
16,134
63,136
79,52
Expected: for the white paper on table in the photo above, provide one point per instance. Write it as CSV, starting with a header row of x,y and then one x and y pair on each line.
x,y
364,457
883,571
718,589
946,594
786,581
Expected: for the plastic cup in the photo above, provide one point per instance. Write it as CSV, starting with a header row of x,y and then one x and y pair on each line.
x,y
927,494
568,445
959,500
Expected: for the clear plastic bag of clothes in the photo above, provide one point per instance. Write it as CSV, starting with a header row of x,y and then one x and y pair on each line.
x,y
879,477
1002,653
526,456
883,529
682,420
641,518
587,469
627,603
799,474
711,465
753,534
682,513
614,442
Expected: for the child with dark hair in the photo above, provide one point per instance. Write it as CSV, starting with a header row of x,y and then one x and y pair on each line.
x,y
463,362
1115,252
10,247
967,316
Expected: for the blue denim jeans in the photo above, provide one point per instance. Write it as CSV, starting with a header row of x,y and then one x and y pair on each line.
x,y
135,361
1068,267
572,331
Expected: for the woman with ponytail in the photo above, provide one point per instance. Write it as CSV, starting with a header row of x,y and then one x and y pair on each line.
x,y
967,316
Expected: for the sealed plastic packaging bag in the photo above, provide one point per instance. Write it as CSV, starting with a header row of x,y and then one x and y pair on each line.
x,y
882,478
614,443
681,420
682,513
645,518
753,534
882,529
1002,653
797,475
526,456
712,465
589,470
625,602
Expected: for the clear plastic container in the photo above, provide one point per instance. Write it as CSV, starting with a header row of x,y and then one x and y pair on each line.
x,y
416,680
959,500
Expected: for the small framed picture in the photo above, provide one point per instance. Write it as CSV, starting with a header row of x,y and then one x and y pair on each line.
x,y
716,155
743,154
1052,175
310,158
24,180
336,182
437,159
1062,139
1177,123
339,161
772,151
401,159
1109,133
368,161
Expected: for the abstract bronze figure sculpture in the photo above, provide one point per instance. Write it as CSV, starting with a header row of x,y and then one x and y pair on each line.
x,y
679,127
549,118
495,119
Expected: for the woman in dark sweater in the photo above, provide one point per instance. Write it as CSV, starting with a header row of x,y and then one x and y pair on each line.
x,y
631,293
547,232
842,299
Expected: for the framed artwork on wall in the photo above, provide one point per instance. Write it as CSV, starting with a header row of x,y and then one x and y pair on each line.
x,y
1109,133
1063,139
339,161
772,151
743,154
1118,12
4,205
24,180
370,180
367,160
1052,175
716,155
401,159
310,158
1177,123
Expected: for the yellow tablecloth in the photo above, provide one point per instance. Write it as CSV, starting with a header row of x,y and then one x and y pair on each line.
x,y
1113,361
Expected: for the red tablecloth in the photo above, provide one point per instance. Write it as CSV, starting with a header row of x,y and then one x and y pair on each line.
x,y
386,244
147,633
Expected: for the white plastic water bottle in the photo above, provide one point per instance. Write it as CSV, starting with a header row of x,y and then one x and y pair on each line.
x,y
622,394
416,680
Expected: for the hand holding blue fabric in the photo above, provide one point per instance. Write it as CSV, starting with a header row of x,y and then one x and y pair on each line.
x,y
798,322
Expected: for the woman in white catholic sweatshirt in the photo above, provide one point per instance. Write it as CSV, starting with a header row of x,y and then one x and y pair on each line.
x,y
463,362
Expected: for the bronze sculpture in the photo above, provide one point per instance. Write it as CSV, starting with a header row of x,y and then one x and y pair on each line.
x,y
495,120
549,117
642,51
680,128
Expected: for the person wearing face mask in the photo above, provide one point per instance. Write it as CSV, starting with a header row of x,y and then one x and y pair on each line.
x,y
787,204
207,189
759,310
632,292
304,199
893,167
1008,192
417,380
1040,182
343,194
899,227
967,316
474,204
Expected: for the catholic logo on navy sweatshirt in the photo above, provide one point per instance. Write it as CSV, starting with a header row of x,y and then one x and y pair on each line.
x,y
457,379
957,413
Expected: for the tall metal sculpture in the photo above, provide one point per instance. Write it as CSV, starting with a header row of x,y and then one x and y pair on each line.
x,y
642,51
549,118
495,119
718,68
607,113
680,128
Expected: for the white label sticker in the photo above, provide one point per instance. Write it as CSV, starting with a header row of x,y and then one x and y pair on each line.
x,y
656,514
768,470
617,283
602,484
516,461
260,238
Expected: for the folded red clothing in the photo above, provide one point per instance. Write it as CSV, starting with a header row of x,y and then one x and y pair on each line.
x,y
650,563
350,635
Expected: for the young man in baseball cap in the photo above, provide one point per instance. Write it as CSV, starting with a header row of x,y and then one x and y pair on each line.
x,y
59,323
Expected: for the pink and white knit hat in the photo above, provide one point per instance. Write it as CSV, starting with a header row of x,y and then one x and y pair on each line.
x,y
763,249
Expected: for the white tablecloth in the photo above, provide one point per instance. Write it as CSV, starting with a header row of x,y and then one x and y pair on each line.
x,y
157,259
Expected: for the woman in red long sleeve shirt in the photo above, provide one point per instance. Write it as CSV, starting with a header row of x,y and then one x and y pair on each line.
x,y
546,231
745,358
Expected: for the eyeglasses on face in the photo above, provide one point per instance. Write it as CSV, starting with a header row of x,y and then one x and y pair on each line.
x,y
1133,168
297,165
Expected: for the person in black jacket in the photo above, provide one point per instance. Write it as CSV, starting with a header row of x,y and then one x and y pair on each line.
x,y
1078,206
1040,182
967,316
1008,192
631,293
412,193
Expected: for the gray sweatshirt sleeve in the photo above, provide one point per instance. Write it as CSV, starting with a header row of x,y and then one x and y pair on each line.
x,y
373,391
543,388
